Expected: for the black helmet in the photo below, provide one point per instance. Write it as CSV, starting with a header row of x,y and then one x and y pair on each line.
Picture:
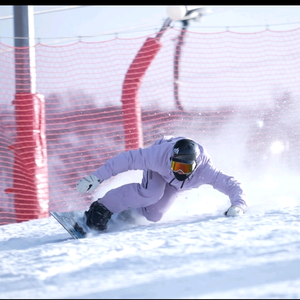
x,y
185,151
184,158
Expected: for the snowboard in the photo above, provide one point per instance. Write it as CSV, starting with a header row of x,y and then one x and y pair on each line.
x,y
73,222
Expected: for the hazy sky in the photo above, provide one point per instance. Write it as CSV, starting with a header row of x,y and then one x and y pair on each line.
x,y
104,22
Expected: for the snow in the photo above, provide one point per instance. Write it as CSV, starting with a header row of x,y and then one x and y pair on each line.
x,y
194,252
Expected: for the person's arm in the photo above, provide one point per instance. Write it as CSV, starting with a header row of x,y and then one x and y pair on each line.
x,y
152,158
129,160
226,184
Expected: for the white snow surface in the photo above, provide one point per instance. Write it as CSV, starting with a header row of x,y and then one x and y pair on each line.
x,y
193,252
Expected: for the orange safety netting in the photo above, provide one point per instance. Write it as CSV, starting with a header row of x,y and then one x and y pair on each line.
x,y
243,87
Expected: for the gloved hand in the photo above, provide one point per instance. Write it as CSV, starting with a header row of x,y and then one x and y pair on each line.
x,y
233,211
88,183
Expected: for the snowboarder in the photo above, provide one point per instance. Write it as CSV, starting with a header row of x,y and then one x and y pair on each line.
x,y
170,166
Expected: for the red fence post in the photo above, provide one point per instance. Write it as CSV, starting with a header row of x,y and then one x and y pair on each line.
x,y
30,163
131,106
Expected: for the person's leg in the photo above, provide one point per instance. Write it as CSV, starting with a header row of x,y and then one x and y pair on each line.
x,y
152,198
135,195
155,212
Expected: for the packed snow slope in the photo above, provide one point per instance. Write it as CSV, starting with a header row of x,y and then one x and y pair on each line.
x,y
194,252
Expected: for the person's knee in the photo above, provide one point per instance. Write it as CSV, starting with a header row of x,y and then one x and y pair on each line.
x,y
153,217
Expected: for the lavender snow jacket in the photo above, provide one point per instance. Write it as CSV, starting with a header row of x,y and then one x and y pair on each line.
x,y
157,158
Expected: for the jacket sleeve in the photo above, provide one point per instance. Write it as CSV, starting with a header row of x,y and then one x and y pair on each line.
x,y
152,157
226,184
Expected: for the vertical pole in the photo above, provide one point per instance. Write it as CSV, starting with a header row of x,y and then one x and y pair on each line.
x,y
131,106
133,79
30,185
24,56
177,55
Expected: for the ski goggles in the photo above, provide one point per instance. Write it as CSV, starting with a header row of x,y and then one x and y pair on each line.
x,y
177,166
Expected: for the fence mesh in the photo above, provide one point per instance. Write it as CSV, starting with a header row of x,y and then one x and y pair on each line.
x,y
242,88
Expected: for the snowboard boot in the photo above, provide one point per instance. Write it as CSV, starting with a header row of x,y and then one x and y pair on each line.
x,y
98,216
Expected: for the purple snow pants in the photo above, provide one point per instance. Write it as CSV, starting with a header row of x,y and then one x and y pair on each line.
x,y
152,198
